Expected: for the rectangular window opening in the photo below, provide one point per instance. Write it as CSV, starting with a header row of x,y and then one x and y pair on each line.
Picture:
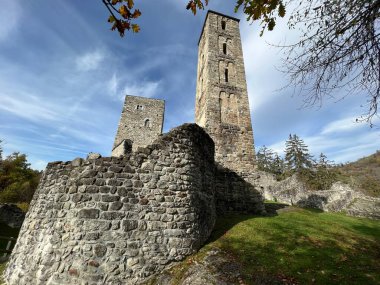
x,y
226,74
223,25
225,48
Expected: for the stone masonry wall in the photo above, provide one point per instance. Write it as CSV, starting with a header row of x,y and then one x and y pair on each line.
x,y
237,193
118,220
141,122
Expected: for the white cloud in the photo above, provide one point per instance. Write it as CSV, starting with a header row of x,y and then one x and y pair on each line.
x,y
147,89
343,125
339,149
27,106
89,61
39,164
113,85
10,16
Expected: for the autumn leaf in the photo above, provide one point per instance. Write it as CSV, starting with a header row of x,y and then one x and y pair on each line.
x,y
130,4
136,14
281,10
135,28
124,12
192,6
111,19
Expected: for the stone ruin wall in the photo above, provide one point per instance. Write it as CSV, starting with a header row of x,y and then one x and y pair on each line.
x,y
238,193
118,220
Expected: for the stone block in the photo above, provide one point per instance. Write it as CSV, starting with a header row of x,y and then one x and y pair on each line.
x,y
88,214
129,225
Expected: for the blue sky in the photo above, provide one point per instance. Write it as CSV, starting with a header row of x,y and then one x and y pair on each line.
x,y
64,74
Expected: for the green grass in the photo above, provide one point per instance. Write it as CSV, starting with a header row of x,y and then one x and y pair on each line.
x,y
2,268
302,247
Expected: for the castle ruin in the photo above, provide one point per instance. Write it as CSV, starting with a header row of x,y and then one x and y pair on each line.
x,y
120,219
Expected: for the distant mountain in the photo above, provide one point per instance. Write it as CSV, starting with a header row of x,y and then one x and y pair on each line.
x,y
363,174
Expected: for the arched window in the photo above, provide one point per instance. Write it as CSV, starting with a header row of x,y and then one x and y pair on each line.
x,y
225,48
147,123
223,25
226,74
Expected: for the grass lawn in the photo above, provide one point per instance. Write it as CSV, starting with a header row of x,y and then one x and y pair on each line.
x,y
301,246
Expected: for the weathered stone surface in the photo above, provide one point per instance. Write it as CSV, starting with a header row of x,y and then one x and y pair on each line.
x,y
88,214
93,155
215,267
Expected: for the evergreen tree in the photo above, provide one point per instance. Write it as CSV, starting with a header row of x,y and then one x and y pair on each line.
x,y
278,165
1,156
297,155
1,151
264,158
268,160
325,174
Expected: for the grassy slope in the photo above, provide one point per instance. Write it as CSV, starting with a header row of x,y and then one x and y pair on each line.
x,y
364,174
304,245
298,246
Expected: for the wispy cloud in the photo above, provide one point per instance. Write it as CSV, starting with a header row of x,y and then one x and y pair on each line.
x,y
27,106
113,85
337,144
90,60
147,89
343,125
10,16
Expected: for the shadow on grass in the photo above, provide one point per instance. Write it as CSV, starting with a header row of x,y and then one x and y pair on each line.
x,y
233,219
302,246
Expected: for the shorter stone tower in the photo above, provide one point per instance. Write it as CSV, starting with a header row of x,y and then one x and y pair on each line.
x,y
140,124
222,107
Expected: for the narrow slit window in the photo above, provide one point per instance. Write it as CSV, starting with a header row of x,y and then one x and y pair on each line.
x,y
225,48
223,25
226,75
147,123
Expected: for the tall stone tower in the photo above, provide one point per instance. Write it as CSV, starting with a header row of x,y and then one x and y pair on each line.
x,y
222,106
140,123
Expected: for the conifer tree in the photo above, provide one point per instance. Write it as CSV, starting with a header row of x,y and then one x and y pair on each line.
x,y
325,175
297,155
1,155
265,158
278,165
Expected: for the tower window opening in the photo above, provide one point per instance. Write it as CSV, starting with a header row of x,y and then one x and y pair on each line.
x,y
147,123
226,75
139,107
225,48
223,25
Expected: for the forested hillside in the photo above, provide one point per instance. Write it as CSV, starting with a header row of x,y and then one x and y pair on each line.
x,y
363,174
17,180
